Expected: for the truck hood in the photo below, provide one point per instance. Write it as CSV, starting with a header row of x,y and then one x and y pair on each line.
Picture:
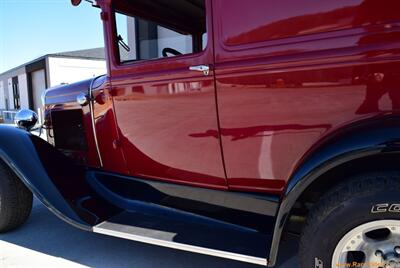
x,y
68,93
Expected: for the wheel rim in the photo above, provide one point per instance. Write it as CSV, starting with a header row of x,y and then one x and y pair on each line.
x,y
373,244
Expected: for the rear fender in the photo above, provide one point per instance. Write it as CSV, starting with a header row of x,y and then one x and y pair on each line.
x,y
362,139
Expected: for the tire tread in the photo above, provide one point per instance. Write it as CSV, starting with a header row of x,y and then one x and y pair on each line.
x,y
15,200
366,184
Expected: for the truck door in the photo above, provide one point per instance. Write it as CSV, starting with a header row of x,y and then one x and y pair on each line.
x,y
163,91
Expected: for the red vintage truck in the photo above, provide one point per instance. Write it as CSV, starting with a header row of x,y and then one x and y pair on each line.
x,y
222,124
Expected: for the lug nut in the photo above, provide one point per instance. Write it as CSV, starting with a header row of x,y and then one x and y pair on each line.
x,y
379,253
397,249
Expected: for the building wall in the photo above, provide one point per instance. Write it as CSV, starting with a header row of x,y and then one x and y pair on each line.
x,y
59,70
6,78
38,86
23,91
171,39
165,38
131,30
69,70
2,96
10,94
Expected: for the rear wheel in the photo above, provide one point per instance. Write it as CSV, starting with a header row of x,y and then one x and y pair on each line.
x,y
375,242
357,224
15,200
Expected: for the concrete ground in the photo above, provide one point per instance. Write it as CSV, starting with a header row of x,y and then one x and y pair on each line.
x,y
46,241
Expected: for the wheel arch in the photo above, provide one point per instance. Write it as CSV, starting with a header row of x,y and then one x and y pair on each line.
x,y
43,170
347,152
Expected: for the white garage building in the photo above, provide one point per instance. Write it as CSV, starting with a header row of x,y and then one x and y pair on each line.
x,y
21,87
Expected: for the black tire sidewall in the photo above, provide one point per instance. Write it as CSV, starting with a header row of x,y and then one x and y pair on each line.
x,y
4,195
342,219
15,200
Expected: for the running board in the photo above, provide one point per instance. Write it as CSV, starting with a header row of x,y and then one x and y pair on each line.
x,y
215,239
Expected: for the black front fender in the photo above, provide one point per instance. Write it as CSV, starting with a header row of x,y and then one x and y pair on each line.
x,y
51,176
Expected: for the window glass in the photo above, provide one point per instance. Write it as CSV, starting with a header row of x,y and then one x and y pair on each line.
x,y
142,38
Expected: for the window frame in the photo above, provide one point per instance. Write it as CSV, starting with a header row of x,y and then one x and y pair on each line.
x,y
131,63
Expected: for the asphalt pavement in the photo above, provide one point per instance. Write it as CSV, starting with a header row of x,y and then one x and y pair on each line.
x,y
46,241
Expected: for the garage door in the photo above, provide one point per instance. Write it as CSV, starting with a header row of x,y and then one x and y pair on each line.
x,y
38,86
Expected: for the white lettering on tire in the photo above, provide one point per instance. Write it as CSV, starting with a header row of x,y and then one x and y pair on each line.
x,y
318,263
382,208
394,208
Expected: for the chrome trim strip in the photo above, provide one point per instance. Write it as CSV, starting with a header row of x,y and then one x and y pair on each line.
x,y
91,107
180,246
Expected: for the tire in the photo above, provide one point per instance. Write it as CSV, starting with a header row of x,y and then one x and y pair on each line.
x,y
15,200
354,221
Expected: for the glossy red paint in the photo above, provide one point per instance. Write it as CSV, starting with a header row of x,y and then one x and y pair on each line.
x,y
61,99
160,106
107,133
285,75
289,79
284,81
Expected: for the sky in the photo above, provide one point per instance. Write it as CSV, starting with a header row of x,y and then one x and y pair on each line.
x,y
30,29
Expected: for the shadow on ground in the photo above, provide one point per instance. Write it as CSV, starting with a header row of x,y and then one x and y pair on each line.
x,y
46,235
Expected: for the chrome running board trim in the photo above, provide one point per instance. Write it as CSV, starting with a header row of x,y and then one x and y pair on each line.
x,y
111,229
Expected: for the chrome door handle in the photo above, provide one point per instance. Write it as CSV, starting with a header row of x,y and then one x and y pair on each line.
x,y
201,68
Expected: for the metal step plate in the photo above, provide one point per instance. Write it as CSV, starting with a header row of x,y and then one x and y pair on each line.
x,y
210,238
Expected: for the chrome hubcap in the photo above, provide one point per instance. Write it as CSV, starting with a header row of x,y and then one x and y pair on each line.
x,y
373,244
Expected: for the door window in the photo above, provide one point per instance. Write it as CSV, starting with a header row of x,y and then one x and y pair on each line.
x,y
172,29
